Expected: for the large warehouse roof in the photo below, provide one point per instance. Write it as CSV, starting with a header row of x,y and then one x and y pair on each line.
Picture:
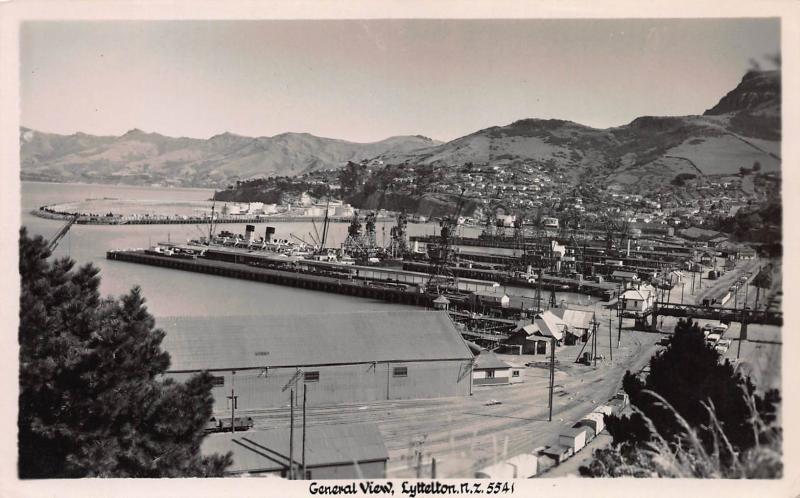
x,y
326,445
224,343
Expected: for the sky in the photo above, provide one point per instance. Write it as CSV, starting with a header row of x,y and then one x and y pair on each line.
x,y
367,80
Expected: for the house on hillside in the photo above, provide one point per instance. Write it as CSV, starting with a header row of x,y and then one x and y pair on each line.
x,y
339,357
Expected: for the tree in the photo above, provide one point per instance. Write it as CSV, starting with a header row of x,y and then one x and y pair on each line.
x,y
687,387
92,401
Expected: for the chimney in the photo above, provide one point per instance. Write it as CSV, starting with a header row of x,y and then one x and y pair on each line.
x,y
248,232
269,233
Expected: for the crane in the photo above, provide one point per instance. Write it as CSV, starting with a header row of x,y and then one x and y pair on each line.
x,y
441,254
60,235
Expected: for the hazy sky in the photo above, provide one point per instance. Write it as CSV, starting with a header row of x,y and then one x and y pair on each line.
x,y
368,80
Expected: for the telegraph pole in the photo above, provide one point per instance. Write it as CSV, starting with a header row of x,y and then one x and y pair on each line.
x,y
552,377
610,333
619,326
303,457
291,434
233,399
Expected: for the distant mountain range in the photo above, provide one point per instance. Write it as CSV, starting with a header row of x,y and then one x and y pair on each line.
x,y
145,158
744,127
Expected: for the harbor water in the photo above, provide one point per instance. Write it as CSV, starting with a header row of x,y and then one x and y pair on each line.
x,y
178,293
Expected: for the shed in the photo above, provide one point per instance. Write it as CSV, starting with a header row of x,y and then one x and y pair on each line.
x,y
535,337
637,301
488,368
491,298
624,276
340,357
331,451
577,323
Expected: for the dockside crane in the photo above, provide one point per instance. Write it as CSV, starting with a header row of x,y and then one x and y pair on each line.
x,y
441,275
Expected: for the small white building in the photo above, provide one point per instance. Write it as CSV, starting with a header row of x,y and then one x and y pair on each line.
x,y
638,301
492,298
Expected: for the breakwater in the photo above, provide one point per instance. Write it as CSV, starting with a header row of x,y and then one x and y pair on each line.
x,y
84,219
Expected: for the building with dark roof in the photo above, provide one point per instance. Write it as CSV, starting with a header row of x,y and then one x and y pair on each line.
x,y
340,451
340,357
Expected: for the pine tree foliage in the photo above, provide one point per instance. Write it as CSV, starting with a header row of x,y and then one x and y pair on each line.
x,y
691,404
92,402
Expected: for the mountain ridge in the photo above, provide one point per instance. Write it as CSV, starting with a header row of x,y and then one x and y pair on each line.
x,y
742,128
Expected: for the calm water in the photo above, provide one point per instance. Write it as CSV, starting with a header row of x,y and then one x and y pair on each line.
x,y
171,292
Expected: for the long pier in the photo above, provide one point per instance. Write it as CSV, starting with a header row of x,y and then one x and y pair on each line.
x,y
280,277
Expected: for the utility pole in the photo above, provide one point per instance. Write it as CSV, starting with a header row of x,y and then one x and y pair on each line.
x,y
610,333
683,284
303,457
291,434
619,326
552,377
746,288
594,343
233,399
742,333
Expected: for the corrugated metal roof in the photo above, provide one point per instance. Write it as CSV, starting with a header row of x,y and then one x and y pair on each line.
x,y
574,318
546,324
208,343
268,450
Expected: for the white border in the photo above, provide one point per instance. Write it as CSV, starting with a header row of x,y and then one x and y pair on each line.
x,y
11,13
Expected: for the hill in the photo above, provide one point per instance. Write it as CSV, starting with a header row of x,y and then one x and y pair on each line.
x,y
138,157
744,127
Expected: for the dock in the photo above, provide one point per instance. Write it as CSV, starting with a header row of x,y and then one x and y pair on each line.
x,y
357,288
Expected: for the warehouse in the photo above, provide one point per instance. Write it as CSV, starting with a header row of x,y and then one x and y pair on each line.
x,y
340,357
342,451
